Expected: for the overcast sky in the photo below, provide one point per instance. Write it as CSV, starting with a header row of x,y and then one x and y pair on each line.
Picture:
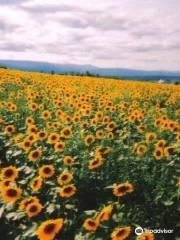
x,y
138,34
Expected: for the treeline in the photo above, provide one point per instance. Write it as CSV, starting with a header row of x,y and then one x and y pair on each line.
x,y
4,67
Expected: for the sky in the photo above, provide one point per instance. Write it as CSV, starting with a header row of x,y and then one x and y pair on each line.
x,y
136,34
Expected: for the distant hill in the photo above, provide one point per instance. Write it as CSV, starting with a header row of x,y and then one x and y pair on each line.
x,y
83,69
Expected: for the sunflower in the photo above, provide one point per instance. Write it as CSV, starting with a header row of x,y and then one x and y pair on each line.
x,y
9,129
67,191
141,149
122,189
76,119
36,184
111,126
9,173
105,214
102,150
95,163
158,153
90,225
161,143
106,120
45,115
53,138
94,121
65,178
121,233
89,140
150,136
49,229
25,145
59,146
11,194
110,136
99,115
168,151
29,121
33,106
24,203
42,135
141,128
32,137
46,171
146,236
33,209
99,134
68,160
66,132
84,125
34,155
32,129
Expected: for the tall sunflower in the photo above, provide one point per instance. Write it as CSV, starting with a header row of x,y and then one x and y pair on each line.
x,y
121,233
33,209
46,171
49,229
10,173
105,214
65,178
11,194
90,225
67,191
34,155
36,183
122,189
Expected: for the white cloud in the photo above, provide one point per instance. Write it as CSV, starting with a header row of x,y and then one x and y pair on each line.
x,y
128,33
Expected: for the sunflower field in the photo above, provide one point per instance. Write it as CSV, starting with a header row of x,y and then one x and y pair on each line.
x,y
85,158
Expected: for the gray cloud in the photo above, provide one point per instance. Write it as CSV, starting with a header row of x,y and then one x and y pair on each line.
x,y
116,33
49,8
12,2
16,47
6,26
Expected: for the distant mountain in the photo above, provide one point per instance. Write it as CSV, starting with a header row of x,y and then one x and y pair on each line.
x,y
72,68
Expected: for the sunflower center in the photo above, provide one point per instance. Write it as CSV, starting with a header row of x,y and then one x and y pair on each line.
x,y
49,228
95,162
66,132
27,144
35,183
35,155
170,150
89,140
11,192
33,209
158,153
91,223
64,177
9,173
9,129
47,170
53,138
68,189
121,233
122,189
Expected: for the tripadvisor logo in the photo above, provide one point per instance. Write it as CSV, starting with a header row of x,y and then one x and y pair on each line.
x,y
140,230
159,230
